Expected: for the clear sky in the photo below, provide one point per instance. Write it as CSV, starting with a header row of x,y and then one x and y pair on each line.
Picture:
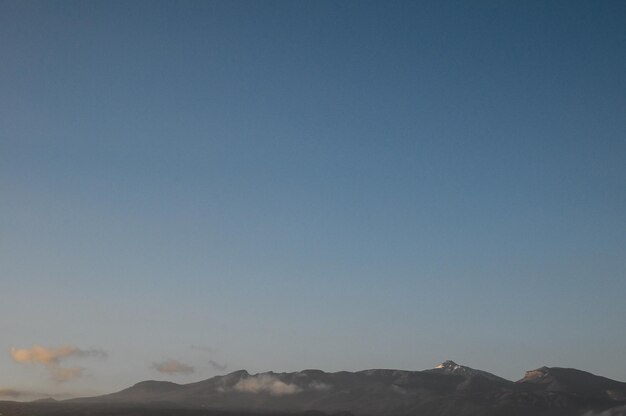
x,y
191,188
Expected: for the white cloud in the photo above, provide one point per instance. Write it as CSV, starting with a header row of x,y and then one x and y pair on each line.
x,y
319,386
265,383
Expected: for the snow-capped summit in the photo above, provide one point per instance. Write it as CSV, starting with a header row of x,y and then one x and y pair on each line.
x,y
450,367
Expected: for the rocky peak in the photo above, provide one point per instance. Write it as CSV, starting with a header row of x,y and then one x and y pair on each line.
x,y
449,365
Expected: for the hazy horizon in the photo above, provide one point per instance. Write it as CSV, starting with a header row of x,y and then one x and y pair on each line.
x,y
191,188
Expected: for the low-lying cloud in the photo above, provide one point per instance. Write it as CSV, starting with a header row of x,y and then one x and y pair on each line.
x,y
20,395
12,393
319,386
265,383
172,366
28,395
51,359
616,411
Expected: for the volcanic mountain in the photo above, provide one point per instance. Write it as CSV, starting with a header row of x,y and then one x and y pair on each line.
x,y
446,390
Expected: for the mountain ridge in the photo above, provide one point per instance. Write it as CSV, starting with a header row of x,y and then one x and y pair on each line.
x,y
448,389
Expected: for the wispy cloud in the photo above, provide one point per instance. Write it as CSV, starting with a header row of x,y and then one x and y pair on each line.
x,y
265,383
51,358
43,355
217,366
172,366
212,352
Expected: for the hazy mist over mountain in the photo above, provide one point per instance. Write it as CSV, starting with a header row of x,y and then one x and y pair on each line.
x,y
191,188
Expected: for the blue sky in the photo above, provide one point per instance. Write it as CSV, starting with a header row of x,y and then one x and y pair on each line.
x,y
289,185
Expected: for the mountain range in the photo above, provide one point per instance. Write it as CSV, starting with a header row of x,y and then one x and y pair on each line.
x,y
446,390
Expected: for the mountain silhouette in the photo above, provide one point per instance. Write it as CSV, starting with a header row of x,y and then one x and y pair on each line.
x,y
449,389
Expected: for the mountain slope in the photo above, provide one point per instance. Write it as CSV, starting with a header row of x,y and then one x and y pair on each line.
x,y
575,382
448,389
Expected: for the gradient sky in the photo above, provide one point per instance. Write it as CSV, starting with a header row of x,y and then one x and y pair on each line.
x,y
289,185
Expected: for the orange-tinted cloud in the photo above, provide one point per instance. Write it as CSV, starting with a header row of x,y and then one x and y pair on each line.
x,y
12,393
43,355
52,357
173,367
